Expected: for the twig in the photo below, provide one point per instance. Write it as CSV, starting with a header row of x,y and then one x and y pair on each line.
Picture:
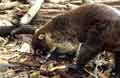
x,y
32,12
117,6
112,2
53,6
77,52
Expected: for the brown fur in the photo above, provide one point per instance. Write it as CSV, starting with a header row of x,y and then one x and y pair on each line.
x,y
96,26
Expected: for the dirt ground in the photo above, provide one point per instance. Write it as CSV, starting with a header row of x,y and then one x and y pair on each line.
x,y
16,60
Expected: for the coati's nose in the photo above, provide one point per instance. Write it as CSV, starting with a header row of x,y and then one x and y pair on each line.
x,y
41,36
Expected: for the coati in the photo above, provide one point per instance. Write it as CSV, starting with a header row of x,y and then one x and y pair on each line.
x,y
96,26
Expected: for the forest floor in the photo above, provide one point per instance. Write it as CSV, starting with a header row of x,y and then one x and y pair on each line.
x,y
17,61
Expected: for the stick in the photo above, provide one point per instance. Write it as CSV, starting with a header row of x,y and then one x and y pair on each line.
x,y
32,12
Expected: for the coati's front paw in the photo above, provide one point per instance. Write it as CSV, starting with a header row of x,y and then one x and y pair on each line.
x,y
75,70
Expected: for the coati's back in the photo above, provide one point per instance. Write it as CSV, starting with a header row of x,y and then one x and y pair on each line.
x,y
98,17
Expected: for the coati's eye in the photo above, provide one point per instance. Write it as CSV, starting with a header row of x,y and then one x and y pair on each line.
x,y
41,36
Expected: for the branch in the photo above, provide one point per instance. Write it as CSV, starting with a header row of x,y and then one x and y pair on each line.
x,y
32,12
117,2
